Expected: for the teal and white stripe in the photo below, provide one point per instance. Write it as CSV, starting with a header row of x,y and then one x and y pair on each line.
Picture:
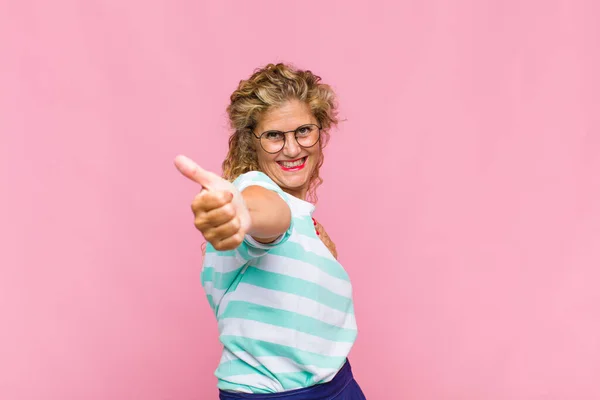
x,y
284,310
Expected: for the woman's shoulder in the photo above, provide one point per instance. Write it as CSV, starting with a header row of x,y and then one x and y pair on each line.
x,y
253,177
257,178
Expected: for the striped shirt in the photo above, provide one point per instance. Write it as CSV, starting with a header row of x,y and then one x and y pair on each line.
x,y
285,311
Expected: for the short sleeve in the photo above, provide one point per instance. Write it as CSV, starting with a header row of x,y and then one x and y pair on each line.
x,y
257,178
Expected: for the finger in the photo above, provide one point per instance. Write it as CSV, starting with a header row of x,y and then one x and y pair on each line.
x,y
193,171
223,231
230,243
216,217
207,200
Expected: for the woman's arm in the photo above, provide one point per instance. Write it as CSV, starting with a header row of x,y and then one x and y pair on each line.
x,y
270,215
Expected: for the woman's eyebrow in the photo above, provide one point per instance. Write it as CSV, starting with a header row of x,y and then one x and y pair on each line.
x,y
281,130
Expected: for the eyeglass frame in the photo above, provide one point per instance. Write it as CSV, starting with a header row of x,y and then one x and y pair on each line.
x,y
285,137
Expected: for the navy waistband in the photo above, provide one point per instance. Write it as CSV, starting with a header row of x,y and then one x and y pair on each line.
x,y
322,391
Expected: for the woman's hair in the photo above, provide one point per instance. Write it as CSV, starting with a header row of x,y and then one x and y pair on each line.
x,y
268,88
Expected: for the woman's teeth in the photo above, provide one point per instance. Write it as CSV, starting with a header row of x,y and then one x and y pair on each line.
x,y
292,164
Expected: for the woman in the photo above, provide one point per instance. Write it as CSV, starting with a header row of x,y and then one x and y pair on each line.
x,y
282,301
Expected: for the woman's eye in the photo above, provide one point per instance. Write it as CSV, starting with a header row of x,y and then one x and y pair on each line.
x,y
274,135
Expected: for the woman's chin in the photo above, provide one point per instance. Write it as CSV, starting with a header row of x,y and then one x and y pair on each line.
x,y
294,184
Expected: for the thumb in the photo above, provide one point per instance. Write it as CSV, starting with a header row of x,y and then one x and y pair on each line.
x,y
194,172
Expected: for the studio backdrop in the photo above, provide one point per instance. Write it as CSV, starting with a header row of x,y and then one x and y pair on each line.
x,y
462,189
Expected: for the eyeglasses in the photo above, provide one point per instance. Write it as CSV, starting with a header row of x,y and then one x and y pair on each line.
x,y
274,141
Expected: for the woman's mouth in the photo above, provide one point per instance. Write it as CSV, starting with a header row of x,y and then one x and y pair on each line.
x,y
293,165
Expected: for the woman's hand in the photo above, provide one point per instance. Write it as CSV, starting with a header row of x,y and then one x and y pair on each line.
x,y
326,239
219,209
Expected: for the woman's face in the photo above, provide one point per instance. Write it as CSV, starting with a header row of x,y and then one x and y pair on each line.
x,y
291,167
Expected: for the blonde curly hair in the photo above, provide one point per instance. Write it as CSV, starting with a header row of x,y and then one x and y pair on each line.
x,y
267,88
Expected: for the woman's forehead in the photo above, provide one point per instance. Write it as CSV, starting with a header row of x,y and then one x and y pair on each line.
x,y
288,116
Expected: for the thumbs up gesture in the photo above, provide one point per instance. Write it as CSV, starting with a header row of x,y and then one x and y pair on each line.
x,y
219,209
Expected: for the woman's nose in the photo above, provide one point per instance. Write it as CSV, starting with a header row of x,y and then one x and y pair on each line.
x,y
291,148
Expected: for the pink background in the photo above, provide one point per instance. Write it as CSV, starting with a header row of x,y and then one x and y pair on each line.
x,y
463,190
